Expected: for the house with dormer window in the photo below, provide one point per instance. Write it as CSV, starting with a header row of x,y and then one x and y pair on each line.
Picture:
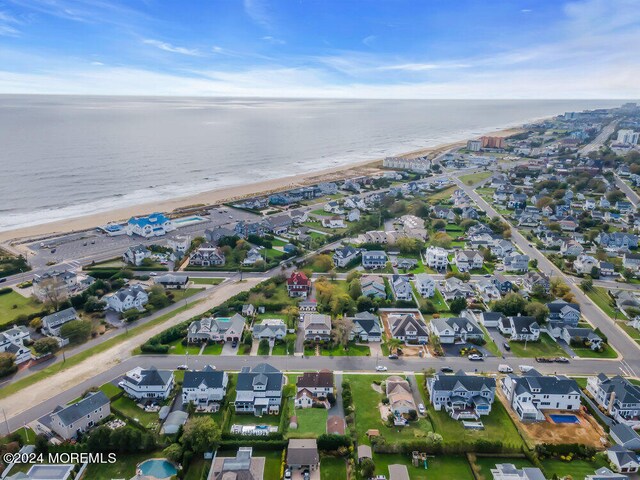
x,y
259,390
462,396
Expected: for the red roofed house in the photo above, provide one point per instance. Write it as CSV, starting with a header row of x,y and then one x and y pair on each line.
x,y
298,285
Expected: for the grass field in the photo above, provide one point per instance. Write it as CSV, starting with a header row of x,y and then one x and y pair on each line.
x,y
439,302
128,407
545,347
474,178
207,281
177,348
110,390
352,350
584,352
575,468
366,402
23,306
439,467
332,468
311,421
213,349
602,299
441,195
197,468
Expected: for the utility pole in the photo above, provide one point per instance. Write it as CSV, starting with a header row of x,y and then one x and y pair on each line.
x,y
5,421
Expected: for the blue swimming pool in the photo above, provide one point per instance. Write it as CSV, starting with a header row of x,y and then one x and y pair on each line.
x,y
564,419
158,467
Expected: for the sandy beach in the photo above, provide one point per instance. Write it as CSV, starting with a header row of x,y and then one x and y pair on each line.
x,y
222,195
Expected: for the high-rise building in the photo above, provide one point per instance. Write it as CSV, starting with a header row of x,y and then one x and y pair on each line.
x,y
492,142
628,136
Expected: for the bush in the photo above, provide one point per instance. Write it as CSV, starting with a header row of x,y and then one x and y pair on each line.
x,y
331,442
4,291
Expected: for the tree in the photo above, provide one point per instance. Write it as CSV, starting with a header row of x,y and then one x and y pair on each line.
x,y
364,304
93,304
46,345
595,273
342,328
7,364
77,331
559,289
393,344
439,225
367,467
457,305
512,304
355,290
173,452
158,297
442,240
616,195
341,304
586,284
53,292
201,434
35,323
291,313
322,263
537,310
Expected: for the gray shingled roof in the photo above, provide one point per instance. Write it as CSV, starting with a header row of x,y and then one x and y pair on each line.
x,y
88,404
210,377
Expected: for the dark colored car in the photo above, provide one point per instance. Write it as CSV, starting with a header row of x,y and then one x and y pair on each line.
x,y
393,356
506,346
446,370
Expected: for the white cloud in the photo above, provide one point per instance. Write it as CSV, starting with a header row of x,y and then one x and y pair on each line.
x,y
273,40
368,41
167,47
259,12
8,25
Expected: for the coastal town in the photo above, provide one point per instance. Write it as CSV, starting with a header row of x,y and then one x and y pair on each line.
x,y
472,312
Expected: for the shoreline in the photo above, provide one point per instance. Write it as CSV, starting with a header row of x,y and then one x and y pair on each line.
x,y
223,195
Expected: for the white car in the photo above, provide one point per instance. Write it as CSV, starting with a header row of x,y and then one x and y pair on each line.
x,y
421,409
381,368
182,367
153,274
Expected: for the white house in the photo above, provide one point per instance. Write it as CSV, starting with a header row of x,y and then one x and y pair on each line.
x,y
516,262
401,288
317,326
154,225
532,393
408,328
425,285
584,264
12,341
437,258
51,324
270,329
623,460
204,387
143,384
313,388
344,256
520,328
374,259
455,329
136,254
366,327
207,255
464,397
127,298
467,260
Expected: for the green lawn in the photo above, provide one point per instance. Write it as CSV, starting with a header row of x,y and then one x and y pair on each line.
x,y
584,352
601,298
474,178
445,194
322,213
575,468
125,466
312,422
213,349
177,348
485,464
273,460
128,407
13,304
366,401
207,281
439,302
439,467
332,468
280,348
110,390
197,468
545,347
352,350
249,419
263,349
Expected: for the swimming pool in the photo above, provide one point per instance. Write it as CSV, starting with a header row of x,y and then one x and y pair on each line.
x,y
158,468
564,419
193,219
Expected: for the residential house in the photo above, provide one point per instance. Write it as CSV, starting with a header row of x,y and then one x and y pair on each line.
x,y
374,259
562,314
623,460
12,341
366,327
455,330
533,279
516,262
631,261
437,258
425,285
618,240
127,298
625,436
398,391
520,328
373,286
241,467
456,288
206,387
491,319
70,420
584,264
302,454
345,255
154,225
259,390
617,396
467,260
313,388
408,328
244,228
317,327
501,247
571,248
51,324
207,255
333,207
253,257
604,473
508,471
136,254
531,393
221,329
401,288
146,384
171,281
503,283
55,284
606,269
298,285
270,329
406,263
353,215
214,235
464,397
333,222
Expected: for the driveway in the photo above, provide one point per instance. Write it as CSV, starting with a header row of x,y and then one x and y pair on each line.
x,y
298,475
338,408
227,349
415,389
453,349
299,339
499,340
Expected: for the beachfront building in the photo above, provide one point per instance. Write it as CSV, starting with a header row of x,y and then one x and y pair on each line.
x,y
221,329
207,255
154,225
134,255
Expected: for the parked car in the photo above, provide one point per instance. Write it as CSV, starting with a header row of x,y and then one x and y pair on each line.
x,y
182,367
381,368
474,357
287,473
525,368
153,274
234,344
506,346
421,409
562,360
393,356
446,370
3,280
505,369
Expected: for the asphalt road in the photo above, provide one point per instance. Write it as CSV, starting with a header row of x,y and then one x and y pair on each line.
x,y
299,364
631,194
600,139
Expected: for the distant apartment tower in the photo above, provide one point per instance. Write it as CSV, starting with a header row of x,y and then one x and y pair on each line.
x,y
492,142
628,136
474,145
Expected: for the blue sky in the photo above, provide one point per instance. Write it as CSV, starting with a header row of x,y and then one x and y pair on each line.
x,y
323,48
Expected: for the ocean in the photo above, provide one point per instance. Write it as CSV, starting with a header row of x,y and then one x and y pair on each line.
x,y
68,156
